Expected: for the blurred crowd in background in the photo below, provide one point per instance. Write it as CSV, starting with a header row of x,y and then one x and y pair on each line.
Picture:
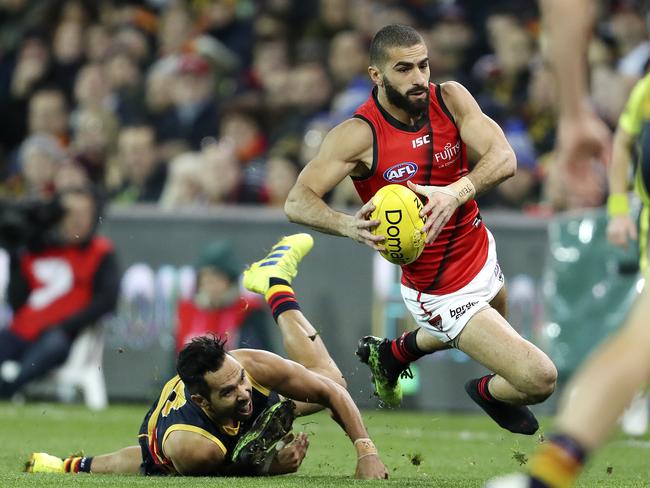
x,y
220,102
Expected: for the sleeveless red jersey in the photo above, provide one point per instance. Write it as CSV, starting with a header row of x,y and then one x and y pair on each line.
x,y
430,153
61,284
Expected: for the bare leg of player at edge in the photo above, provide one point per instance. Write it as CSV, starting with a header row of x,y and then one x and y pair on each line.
x,y
300,339
522,373
124,461
591,405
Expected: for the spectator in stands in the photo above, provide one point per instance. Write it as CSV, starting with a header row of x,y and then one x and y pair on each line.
x,y
125,81
218,306
281,175
158,89
193,116
270,72
309,93
243,130
92,89
67,49
175,30
94,137
40,157
48,114
30,72
143,173
230,27
630,31
58,286
32,64
333,17
184,185
292,64
134,42
503,76
97,42
69,176
449,40
347,63
223,177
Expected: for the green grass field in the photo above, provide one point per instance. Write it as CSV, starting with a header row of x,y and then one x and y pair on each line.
x,y
420,449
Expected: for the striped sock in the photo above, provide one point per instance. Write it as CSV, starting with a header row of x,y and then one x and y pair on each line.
x,y
483,389
557,463
77,464
280,297
405,348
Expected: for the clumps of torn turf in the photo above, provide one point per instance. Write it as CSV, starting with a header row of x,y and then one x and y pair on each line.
x,y
520,457
415,459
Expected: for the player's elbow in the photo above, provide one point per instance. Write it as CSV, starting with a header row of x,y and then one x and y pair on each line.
x,y
509,163
291,205
290,211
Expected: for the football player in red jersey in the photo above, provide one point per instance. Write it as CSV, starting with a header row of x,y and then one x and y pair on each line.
x,y
419,134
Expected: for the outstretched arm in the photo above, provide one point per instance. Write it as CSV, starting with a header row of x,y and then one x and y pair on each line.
x,y
339,155
582,135
194,455
620,227
294,381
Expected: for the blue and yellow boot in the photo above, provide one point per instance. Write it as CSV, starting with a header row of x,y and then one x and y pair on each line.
x,y
281,262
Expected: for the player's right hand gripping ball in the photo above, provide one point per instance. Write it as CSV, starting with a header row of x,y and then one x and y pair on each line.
x,y
397,208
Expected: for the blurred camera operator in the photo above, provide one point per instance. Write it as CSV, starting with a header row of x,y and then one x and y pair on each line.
x,y
63,278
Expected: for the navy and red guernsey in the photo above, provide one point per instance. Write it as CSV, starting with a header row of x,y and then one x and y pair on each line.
x,y
429,153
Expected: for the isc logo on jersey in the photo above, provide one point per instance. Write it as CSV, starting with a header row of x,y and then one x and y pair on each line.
x,y
397,208
400,172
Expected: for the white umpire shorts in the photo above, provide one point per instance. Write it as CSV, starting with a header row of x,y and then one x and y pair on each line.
x,y
445,316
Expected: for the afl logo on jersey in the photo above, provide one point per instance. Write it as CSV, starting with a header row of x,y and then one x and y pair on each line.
x,y
400,172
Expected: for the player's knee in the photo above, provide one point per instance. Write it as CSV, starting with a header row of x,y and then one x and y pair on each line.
x,y
543,382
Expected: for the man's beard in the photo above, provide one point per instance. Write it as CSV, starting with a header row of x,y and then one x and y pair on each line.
x,y
415,108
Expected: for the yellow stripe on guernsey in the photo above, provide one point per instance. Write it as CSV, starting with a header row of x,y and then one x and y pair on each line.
x,y
277,289
162,402
196,430
165,406
262,389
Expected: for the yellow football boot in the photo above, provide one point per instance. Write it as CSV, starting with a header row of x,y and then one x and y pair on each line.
x,y
281,262
41,462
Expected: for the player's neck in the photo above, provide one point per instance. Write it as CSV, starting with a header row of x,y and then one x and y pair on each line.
x,y
216,419
401,115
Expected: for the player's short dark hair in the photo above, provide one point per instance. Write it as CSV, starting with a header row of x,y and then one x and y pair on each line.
x,y
202,355
393,35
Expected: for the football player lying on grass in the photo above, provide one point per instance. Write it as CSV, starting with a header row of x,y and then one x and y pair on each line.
x,y
231,413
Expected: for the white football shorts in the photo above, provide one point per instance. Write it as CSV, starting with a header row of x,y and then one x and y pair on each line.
x,y
445,316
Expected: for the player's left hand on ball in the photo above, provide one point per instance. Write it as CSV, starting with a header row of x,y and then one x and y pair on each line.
x,y
439,208
290,457
363,226
371,468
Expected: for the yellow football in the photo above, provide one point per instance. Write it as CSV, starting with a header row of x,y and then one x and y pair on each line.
x,y
397,209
